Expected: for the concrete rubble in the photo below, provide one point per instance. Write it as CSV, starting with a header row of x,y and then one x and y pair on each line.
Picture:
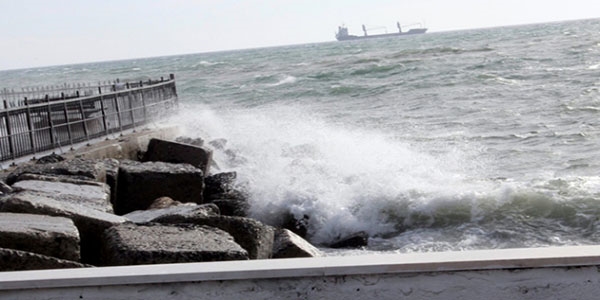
x,y
131,244
138,184
102,208
51,236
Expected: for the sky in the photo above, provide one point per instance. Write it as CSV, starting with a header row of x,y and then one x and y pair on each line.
x,y
37,33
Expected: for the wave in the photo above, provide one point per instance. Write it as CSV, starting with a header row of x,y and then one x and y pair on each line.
x,y
346,179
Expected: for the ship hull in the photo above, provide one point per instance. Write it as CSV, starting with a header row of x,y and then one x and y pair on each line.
x,y
357,37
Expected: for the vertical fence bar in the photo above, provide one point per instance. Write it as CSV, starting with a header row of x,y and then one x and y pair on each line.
x,y
118,112
50,123
67,122
103,110
30,126
83,118
11,142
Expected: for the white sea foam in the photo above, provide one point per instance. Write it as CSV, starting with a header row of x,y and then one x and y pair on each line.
x,y
344,179
286,80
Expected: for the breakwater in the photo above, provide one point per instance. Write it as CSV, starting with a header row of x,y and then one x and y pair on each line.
x,y
145,198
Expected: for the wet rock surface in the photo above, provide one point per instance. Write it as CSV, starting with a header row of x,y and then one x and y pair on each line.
x,y
131,244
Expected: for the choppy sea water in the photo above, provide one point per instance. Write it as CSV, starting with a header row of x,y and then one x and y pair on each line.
x,y
474,139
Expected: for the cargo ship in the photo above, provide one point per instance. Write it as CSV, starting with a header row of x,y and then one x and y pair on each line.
x,y
343,35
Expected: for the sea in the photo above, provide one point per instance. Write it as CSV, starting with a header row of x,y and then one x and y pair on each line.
x,y
447,141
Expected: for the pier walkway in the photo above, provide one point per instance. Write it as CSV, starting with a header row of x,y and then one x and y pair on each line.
x,y
42,119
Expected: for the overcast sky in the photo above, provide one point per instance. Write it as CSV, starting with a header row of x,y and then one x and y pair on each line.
x,y
43,32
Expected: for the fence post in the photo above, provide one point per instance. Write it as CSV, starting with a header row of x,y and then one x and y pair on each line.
x,y
118,112
50,123
30,126
11,146
130,96
83,118
103,111
67,122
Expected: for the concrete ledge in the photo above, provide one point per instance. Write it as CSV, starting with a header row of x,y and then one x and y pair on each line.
x,y
368,265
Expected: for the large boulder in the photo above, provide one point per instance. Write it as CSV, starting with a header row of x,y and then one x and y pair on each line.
x,y
90,222
289,245
178,212
173,152
92,194
77,168
130,244
16,260
51,236
355,240
232,207
218,185
139,184
252,235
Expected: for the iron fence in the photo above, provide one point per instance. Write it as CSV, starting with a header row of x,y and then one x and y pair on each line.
x,y
71,116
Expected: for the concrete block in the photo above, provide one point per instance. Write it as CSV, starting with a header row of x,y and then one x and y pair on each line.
x,y
252,235
139,184
95,195
16,260
180,211
51,236
90,222
289,245
130,244
75,168
173,152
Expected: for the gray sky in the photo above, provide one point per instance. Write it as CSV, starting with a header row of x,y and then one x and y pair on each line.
x,y
43,32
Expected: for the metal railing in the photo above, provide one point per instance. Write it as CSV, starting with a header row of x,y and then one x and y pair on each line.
x,y
72,116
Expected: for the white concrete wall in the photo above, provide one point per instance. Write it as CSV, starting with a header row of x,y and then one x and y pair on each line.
x,y
548,273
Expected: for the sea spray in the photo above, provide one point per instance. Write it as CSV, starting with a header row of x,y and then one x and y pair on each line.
x,y
343,179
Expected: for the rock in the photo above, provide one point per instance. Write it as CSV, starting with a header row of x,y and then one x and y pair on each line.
x,y
252,235
16,260
218,184
90,222
297,226
130,244
181,212
172,152
111,166
48,159
139,184
51,236
5,188
289,245
356,240
232,207
75,168
92,194
191,141
163,202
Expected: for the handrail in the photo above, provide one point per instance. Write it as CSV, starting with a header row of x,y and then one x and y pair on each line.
x,y
45,124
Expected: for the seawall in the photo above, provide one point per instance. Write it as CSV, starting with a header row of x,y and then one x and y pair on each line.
x,y
548,273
